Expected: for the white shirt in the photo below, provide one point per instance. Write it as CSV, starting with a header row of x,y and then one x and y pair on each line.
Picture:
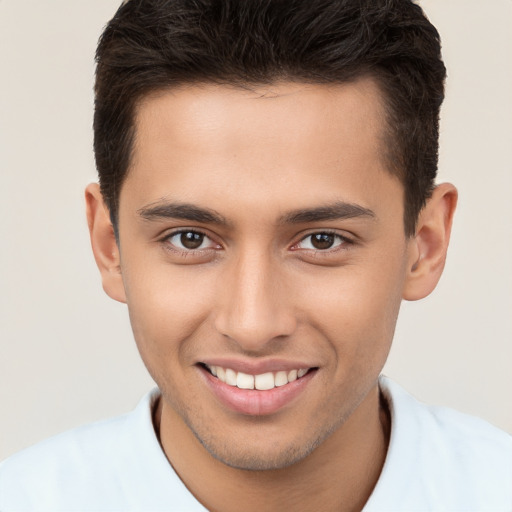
x,y
437,460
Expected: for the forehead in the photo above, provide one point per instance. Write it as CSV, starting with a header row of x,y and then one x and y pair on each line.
x,y
274,144
280,113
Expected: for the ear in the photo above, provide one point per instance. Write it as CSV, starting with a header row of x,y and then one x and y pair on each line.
x,y
427,250
104,244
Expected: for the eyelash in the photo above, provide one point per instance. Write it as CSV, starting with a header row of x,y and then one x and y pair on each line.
x,y
344,242
166,240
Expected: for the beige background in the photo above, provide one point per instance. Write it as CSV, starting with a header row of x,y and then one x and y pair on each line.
x,y
66,350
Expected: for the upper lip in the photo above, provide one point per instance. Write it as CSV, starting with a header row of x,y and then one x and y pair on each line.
x,y
257,367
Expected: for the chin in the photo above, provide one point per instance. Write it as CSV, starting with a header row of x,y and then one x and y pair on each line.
x,y
260,455
254,460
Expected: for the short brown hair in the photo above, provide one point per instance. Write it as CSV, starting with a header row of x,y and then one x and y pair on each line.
x,y
151,45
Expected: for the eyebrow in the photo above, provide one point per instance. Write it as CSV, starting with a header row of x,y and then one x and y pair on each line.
x,y
335,211
185,211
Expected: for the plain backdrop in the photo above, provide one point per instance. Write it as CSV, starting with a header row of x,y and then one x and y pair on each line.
x,y
67,355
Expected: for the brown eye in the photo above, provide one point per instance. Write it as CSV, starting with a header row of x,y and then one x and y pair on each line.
x,y
321,241
190,240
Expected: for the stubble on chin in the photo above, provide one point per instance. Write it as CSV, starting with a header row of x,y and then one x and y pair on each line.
x,y
248,456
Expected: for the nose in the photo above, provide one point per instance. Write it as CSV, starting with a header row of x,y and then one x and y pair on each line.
x,y
254,307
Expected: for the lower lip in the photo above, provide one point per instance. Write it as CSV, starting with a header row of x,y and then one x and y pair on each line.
x,y
253,402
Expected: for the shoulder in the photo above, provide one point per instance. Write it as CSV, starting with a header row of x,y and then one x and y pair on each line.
x,y
84,442
75,455
91,467
444,424
443,458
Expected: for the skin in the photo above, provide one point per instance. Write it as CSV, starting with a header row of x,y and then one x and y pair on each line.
x,y
257,290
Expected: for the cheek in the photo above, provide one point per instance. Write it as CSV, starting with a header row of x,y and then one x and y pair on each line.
x,y
166,306
356,310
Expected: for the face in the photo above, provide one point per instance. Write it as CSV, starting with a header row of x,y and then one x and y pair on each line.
x,y
262,245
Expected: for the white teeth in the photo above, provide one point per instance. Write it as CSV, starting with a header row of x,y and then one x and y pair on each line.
x,y
262,382
292,376
281,379
230,377
244,381
221,374
213,369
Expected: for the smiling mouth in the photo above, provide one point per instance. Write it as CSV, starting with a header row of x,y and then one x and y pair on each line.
x,y
261,382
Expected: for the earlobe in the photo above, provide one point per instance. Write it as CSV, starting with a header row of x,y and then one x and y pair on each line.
x,y
428,249
104,244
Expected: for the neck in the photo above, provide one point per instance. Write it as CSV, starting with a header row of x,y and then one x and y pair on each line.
x,y
338,475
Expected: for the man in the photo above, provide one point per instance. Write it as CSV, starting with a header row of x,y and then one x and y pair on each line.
x,y
266,201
